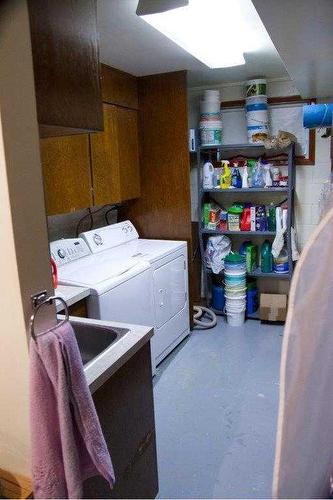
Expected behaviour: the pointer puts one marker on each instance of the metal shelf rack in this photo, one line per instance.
(207, 153)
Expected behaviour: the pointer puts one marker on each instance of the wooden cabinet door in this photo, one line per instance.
(128, 145)
(105, 160)
(66, 172)
(64, 42)
(115, 157)
(119, 88)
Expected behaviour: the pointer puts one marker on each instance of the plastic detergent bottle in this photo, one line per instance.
(236, 179)
(266, 257)
(226, 175)
(281, 264)
(245, 177)
(208, 173)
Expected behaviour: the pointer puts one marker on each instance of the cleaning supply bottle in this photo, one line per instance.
(208, 174)
(267, 175)
(271, 216)
(234, 177)
(226, 175)
(280, 260)
(238, 179)
(266, 257)
(245, 177)
(250, 166)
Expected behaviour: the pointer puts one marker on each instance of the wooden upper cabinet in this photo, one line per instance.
(66, 173)
(105, 160)
(119, 88)
(128, 146)
(66, 66)
(115, 157)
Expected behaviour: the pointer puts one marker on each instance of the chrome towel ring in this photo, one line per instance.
(47, 301)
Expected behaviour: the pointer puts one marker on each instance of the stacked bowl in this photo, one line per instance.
(235, 288)
(210, 119)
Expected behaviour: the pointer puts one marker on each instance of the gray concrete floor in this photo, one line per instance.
(216, 401)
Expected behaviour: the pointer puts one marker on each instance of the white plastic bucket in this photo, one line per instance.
(235, 299)
(238, 293)
(234, 310)
(211, 117)
(211, 133)
(236, 319)
(257, 118)
(235, 304)
(207, 107)
(257, 86)
(212, 95)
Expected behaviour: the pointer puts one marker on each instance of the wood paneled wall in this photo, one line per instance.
(164, 209)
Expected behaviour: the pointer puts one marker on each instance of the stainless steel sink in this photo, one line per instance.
(93, 339)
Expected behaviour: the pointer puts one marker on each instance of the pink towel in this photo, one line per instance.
(67, 441)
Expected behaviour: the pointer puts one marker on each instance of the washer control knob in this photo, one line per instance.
(98, 239)
(61, 253)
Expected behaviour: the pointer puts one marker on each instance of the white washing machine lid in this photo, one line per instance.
(101, 273)
(153, 250)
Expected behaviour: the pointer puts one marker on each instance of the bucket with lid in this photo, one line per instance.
(212, 95)
(211, 133)
(209, 107)
(256, 86)
(257, 118)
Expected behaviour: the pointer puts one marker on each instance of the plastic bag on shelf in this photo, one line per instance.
(218, 247)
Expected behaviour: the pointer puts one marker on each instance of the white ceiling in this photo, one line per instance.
(130, 44)
(302, 31)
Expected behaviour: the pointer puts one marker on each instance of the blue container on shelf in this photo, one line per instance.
(317, 115)
(218, 297)
(252, 301)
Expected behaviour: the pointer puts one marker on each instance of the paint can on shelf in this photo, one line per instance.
(255, 87)
(212, 95)
(209, 107)
(210, 133)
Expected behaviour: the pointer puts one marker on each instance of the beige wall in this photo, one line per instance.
(24, 264)
(14, 430)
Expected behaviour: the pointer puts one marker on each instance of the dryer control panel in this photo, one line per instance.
(110, 236)
(67, 250)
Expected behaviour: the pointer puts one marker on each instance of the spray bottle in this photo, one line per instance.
(226, 175)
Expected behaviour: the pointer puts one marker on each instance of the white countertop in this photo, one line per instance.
(71, 294)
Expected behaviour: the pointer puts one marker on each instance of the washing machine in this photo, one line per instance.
(120, 284)
(169, 275)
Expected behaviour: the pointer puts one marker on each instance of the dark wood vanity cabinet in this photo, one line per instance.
(125, 408)
(66, 66)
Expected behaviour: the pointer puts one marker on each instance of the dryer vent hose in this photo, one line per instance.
(203, 325)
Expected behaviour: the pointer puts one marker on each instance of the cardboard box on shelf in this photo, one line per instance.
(273, 307)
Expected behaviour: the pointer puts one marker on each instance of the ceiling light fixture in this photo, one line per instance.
(213, 31)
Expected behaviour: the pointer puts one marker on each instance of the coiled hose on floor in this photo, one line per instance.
(203, 325)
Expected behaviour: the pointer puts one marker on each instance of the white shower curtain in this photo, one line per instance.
(304, 449)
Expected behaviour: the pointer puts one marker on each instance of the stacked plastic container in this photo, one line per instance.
(235, 288)
(256, 110)
(210, 120)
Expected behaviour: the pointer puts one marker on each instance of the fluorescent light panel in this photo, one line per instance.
(213, 31)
